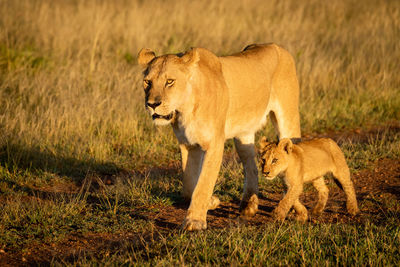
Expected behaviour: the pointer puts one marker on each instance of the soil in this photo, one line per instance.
(375, 186)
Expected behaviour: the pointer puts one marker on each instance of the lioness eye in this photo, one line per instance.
(274, 161)
(169, 82)
(146, 83)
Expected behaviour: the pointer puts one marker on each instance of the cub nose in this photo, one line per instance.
(266, 173)
(153, 105)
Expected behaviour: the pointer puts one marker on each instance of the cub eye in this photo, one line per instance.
(274, 161)
(146, 83)
(169, 82)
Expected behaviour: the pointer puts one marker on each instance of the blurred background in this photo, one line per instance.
(70, 86)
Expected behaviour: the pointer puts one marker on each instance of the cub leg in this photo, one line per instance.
(301, 211)
(197, 212)
(192, 160)
(342, 174)
(245, 148)
(323, 193)
(288, 201)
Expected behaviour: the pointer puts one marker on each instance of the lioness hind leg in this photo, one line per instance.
(284, 101)
(342, 174)
(286, 122)
(245, 148)
(323, 193)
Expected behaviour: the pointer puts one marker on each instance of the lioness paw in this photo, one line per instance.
(249, 208)
(214, 203)
(194, 225)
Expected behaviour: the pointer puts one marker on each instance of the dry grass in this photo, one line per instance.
(70, 81)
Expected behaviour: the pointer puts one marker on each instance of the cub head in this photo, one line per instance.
(166, 83)
(275, 158)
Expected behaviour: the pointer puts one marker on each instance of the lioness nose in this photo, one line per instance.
(153, 105)
(266, 173)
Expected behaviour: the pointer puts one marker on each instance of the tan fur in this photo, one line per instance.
(208, 99)
(306, 162)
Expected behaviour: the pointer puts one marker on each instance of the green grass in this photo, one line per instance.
(72, 119)
(287, 244)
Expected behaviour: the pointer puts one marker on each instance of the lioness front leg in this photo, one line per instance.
(202, 193)
(192, 160)
(245, 148)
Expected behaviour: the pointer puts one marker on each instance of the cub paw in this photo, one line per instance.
(316, 212)
(194, 225)
(249, 208)
(353, 210)
(214, 203)
(278, 215)
(301, 217)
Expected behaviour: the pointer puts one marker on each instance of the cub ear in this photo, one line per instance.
(286, 145)
(191, 57)
(263, 144)
(145, 56)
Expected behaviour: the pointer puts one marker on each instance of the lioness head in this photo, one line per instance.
(274, 158)
(166, 83)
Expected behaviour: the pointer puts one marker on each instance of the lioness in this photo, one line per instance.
(304, 162)
(208, 99)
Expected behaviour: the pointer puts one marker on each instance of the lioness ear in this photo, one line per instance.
(145, 56)
(286, 145)
(191, 57)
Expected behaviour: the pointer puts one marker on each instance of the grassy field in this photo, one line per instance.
(84, 174)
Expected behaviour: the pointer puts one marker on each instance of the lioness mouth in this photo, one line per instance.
(164, 117)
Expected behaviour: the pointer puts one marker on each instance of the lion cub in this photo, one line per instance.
(304, 162)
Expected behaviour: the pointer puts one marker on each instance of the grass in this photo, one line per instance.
(80, 156)
(270, 244)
